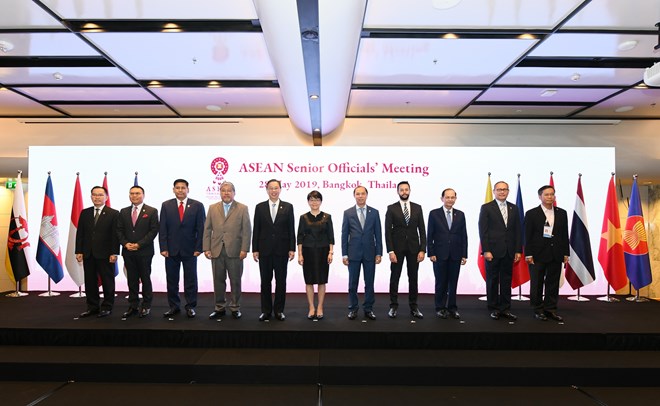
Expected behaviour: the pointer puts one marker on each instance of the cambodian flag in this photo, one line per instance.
(49, 255)
(635, 243)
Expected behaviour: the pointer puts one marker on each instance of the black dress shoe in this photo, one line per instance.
(392, 313)
(352, 315)
(416, 314)
(171, 312)
(190, 312)
(442, 314)
(370, 315)
(104, 313)
(88, 313)
(130, 312)
(495, 315)
(508, 315)
(217, 314)
(455, 315)
(540, 316)
(280, 316)
(264, 316)
(236, 314)
(554, 316)
(144, 312)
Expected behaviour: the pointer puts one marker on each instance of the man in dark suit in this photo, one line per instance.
(97, 248)
(361, 246)
(180, 237)
(501, 246)
(546, 249)
(136, 230)
(405, 238)
(448, 251)
(273, 245)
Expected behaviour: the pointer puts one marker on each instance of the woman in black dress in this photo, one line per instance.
(316, 239)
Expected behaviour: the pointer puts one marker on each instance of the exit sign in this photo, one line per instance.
(10, 184)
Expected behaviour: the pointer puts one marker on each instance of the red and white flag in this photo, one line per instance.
(74, 267)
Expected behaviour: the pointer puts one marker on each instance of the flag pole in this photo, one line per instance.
(485, 297)
(50, 293)
(78, 294)
(608, 298)
(637, 298)
(519, 297)
(578, 298)
(17, 292)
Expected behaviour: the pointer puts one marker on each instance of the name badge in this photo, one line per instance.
(547, 231)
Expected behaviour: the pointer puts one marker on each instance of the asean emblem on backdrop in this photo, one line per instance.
(219, 168)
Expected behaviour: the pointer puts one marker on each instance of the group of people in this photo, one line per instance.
(226, 234)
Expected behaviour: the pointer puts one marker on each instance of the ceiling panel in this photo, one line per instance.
(24, 13)
(115, 110)
(13, 104)
(413, 103)
(68, 76)
(616, 14)
(597, 45)
(631, 103)
(46, 44)
(544, 94)
(578, 76)
(87, 93)
(520, 111)
(224, 101)
(436, 61)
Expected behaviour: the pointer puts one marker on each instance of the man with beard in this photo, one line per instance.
(405, 238)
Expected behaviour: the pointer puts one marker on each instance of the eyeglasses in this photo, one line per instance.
(314, 200)
(501, 190)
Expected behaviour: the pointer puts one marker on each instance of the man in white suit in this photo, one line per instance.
(226, 242)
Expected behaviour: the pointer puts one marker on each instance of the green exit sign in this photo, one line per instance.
(10, 184)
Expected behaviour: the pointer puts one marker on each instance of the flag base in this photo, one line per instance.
(49, 294)
(578, 298)
(483, 298)
(16, 294)
(608, 298)
(519, 298)
(637, 299)
(78, 294)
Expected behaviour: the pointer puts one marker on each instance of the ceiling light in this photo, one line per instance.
(575, 77)
(445, 4)
(171, 27)
(314, 97)
(6, 46)
(58, 76)
(450, 35)
(310, 35)
(91, 27)
(627, 45)
(526, 36)
(213, 83)
(624, 109)
(548, 92)
(155, 83)
(213, 107)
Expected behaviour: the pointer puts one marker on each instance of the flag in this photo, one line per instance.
(481, 261)
(16, 260)
(107, 203)
(49, 254)
(610, 251)
(135, 181)
(74, 267)
(552, 183)
(635, 243)
(520, 273)
(580, 267)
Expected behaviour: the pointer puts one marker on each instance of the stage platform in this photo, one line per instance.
(600, 344)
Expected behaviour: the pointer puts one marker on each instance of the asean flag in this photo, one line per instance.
(635, 243)
(49, 255)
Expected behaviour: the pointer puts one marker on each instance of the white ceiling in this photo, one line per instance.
(550, 59)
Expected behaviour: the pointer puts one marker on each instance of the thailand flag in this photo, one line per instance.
(49, 255)
(580, 267)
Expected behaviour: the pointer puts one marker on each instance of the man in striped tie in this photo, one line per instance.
(405, 238)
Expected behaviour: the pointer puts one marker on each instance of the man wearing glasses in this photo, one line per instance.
(500, 234)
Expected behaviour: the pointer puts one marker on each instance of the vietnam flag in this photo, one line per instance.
(49, 254)
(635, 243)
(74, 267)
(481, 262)
(520, 273)
(610, 251)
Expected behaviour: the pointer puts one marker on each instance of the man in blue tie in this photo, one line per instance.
(361, 246)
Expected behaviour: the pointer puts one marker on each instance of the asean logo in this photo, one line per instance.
(219, 167)
(634, 237)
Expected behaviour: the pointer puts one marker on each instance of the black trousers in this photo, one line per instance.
(270, 265)
(412, 267)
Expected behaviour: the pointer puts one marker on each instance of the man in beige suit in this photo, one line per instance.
(226, 242)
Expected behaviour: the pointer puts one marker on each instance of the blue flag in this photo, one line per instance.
(635, 243)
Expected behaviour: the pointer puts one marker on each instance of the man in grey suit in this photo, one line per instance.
(226, 242)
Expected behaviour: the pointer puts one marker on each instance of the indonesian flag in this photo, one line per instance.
(18, 253)
(49, 255)
(74, 267)
(580, 267)
(610, 251)
(520, 274)
(635, 243)
(481, 261)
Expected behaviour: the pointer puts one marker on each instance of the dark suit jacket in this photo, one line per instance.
(546, 249)
(360, 244)
(181, 237)
(496, 237)
(400, 236)
(144, 232)
(444, 243)
(276, 238)
(97, 241)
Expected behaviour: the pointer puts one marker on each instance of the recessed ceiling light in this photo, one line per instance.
(526, 36)
(445, 4)
(6, 46)
(213, 107)
(172, 27)
(575, 77)
(548, 92)
(627, 45)
(314, 96)
(58, 76)
(624, 109)
(213, 83)
(450, 35)
(92, 27)
(155, 83)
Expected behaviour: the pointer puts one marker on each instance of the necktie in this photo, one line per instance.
(134, 215)
(449, 219)
(273, 211)
(362, 217)
(406, 213)
(505, 214)
(226, 208)
(96, 215)
(181, 211)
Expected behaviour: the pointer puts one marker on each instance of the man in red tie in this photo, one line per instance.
(180, 237)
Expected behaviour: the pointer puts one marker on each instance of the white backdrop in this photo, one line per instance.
(334, 171)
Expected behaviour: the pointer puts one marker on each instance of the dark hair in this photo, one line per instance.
(180, 181)
(137, 187)
(403, 182)
(274, 180)
(544, 187)
(99, 187)
(498, 182)
(443, 192)
(315, 194)
(233, 189)
(357, 187)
